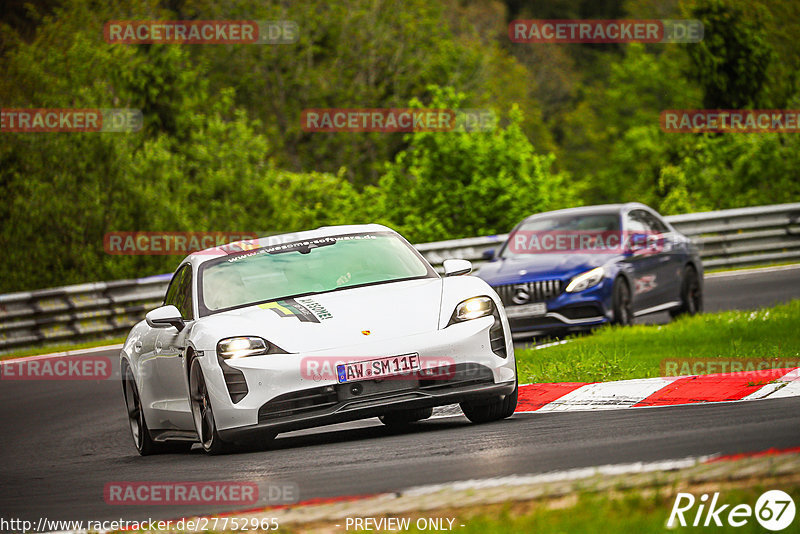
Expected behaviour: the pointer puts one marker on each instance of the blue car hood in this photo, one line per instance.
(540, 267)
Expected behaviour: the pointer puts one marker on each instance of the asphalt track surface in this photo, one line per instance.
(63, 441)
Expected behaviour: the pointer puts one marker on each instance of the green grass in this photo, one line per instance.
(62, 347)
(598, 513)
(615, 353)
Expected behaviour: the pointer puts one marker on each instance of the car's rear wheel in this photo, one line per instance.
(203, 414)
(493, 409)
(622, 302)
(405, 417)
(136, 421)
(691, 294)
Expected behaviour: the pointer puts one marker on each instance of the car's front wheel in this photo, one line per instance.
(494, 409)
(202, 413)
(141, 435)
(405, 417)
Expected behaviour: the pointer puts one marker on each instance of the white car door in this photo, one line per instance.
(171, 402)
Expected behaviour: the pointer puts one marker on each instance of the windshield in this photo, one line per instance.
(566, 232)
(307, 267)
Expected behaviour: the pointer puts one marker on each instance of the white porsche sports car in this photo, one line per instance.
(307, 329)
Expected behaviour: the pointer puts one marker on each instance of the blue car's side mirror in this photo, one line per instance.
(488, 255)
(638, 243)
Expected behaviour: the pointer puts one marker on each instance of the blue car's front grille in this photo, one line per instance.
(527, 292)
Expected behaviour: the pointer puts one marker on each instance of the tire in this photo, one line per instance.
(622, 303)
(203, 414)
(405, 417)
(691, 294)
(492, 409)
(139, 431)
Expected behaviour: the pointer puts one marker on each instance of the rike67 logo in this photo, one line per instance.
(774, 510)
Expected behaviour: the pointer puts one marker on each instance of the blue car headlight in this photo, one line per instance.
(586, 280)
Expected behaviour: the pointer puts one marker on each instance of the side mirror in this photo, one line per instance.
(457, 267)
(488, 255)
(164, 317)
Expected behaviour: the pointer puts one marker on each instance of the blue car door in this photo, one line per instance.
(670, 265)
(646, 264)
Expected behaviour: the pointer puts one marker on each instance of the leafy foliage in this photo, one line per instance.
(467, 183)
(222, 148)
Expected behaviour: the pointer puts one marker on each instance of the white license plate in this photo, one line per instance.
(537, 309)
(378, 368)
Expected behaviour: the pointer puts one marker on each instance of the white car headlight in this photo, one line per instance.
(473, 308)
(240, 347)
(586, 280)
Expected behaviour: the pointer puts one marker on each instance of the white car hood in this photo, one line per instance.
(339, 318)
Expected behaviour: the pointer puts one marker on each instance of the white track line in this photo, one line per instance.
(557, 476)
(553, 344)
(744, 272)
(75, 352)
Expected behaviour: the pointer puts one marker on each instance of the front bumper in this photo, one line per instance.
(283, 394)
(287, 414)
(567, 312)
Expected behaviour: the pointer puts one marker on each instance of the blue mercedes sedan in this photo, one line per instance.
(575, 269)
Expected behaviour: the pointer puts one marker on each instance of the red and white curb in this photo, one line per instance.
(646, 392)
(637, 393)
(665, 391)
(786, 386)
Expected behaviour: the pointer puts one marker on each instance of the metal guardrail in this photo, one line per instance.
(77, 312)
(726, 238)
(745, 236)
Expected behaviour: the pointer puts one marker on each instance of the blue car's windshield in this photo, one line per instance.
(569, 227)
(306, 267)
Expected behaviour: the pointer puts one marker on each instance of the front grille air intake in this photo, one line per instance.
(234, 380)
(538, 291)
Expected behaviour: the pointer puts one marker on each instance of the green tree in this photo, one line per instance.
(466, 183)
(732, 61)
(358, 54)
(198, 164)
